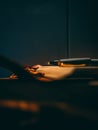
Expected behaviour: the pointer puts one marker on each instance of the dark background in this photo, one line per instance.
(34, 32)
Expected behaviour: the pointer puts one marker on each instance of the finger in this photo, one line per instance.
(36, 66)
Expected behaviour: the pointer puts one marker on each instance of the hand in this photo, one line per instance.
(50, 73)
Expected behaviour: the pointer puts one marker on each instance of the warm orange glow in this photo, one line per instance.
(71, 65)
(23, 105)
(35, 107)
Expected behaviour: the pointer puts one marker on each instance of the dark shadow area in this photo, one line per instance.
(48, 118)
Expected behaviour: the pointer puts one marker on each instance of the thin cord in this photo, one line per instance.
(68, 27)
